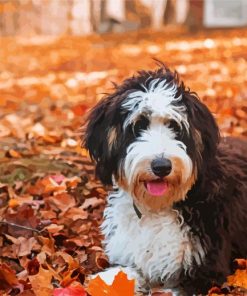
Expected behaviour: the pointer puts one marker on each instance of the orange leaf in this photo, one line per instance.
(13, 203)
(13, 153)
(7, 276)
(97, 287)
(238, 279)
(121, 286)
(41, 282)
(79, 110)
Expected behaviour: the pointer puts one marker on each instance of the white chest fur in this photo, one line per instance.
(159, 246)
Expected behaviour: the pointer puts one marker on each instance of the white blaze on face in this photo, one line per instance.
(159, 99)
(158, 140)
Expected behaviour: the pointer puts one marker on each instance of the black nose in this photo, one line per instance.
(161, 167)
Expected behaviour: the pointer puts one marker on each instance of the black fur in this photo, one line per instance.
(215, 208)
(216, 211)
(109, 113)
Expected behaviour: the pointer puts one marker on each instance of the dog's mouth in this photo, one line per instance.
(156, 187)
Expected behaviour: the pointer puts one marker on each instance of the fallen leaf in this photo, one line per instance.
(33, 266)
(101, 261)
(62, 201)
(13, 153)
(72, 263)
(121, 286)
(46, 185)
(24, 216)
(24, 246)
(238, 279)
(69, 291)
(74, 214)
(91, 202)
(8, 277)
(41, 282)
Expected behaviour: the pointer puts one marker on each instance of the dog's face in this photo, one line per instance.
(153, 138)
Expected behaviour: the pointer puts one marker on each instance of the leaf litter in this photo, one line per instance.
(50, 202)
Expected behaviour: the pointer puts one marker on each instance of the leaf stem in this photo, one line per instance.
(20, 226)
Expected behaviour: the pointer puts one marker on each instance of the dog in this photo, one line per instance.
(176, 216)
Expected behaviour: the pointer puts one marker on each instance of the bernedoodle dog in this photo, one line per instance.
(177, 215)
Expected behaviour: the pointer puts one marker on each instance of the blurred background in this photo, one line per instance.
(82, 17)
(57, 59)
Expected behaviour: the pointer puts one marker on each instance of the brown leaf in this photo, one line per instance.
(54, 228)
(24, 246)
(24, 216)
(8, 278)
(91, 202)
(33, 266)
(62, 201)
(45, 186)
(27, 293)
(101, 261)
(72, 263)
(74, 214)
(47, 245)
(41, 282)
(13, 153)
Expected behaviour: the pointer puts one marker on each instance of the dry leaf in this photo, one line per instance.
(238, 279)
(8, 278)
(24, 216)
(62, 201)
(91, 202)
(121, 286)
(41, 282)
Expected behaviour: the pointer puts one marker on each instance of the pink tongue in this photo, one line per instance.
(157, 188)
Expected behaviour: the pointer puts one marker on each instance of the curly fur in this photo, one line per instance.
(187, 239)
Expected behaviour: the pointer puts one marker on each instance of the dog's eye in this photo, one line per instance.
(141, 124)
(172, 124)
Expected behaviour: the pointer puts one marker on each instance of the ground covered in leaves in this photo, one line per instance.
(50, 203)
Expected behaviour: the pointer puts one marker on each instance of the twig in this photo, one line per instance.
(20, 226)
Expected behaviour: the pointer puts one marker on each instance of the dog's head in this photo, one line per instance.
(153, 137)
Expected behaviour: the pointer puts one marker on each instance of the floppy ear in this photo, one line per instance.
(202, 120)
(103, 136)
(94, 139)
